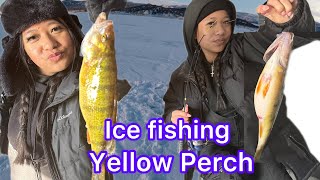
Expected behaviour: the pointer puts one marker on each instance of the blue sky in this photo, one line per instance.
(247, 5)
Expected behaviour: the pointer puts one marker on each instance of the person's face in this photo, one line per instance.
(49, 46)
(213, 33)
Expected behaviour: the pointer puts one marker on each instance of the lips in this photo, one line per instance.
(219, 41)
(55, 56)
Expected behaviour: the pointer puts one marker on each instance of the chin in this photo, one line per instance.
(218, 50)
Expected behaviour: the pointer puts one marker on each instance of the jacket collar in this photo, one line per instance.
(68, 86)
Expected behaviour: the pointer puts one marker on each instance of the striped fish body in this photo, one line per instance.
(269, 90)
(97, 85)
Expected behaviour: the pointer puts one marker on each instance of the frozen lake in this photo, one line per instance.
(148, 50)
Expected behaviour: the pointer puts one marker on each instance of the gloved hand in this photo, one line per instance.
(5, 105)
(123, 87)
(95, 7)
(11, 72)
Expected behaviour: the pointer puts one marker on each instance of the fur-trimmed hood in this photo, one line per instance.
(17, 15)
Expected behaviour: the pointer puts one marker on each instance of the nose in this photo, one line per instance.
(49, 42)
(220, 29)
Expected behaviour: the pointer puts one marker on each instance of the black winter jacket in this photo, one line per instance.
(68, 138)
(242, 64)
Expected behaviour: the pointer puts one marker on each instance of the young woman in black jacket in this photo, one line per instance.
(216, 84)
(42, 128)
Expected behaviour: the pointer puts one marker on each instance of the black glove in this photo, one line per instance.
(123, 87)
(5, 105)
(11, 69)
(95, 7)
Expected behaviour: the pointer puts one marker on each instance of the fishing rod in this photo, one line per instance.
(192, 68)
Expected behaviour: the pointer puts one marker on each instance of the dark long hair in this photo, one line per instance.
(201, 74)
(27, 92)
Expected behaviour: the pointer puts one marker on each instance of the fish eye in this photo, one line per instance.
(104, 37)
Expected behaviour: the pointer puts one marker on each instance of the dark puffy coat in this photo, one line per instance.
(68, 138)
(241, 65)
(68, 134)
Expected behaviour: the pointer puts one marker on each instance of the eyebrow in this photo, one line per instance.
(222, 18)
(29, 31)
(53, 22)
(47, 24)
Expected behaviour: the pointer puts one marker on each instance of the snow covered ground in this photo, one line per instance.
(148, 50)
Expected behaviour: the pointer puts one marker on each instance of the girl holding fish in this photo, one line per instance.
(40, 113)
(217, 81)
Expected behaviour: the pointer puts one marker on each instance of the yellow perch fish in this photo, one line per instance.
(269, 90)
(97, 86)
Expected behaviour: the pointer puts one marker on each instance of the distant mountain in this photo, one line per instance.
(317, 27)
(164, 3)
(150, 9)
(252, 18)
(173, 11)
(244, 19)
(74, 5)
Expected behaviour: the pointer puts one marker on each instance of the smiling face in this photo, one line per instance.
(213, 33)
(49, 45)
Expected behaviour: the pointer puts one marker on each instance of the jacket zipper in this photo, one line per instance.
(52, 156)
(58, 102)
(300, 146)
(237, 109)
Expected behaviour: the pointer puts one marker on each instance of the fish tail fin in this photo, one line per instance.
(259, 150)
(257, 155)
